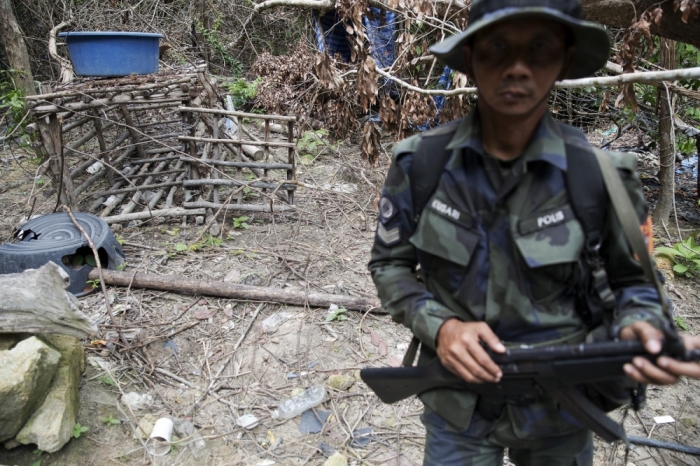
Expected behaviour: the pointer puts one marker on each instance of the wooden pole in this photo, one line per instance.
(231, 290)
(667, 143)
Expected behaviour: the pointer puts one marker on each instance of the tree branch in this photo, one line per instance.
(330, 4)
(66, 74)
(647, 77)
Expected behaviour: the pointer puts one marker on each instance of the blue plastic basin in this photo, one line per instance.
(112, 53)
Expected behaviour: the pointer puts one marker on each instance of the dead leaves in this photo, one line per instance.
(688, 8)
(633, 43)
(326, 72)
(367, 87)
(369, 146)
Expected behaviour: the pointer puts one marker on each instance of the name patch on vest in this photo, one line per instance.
(550, 219)
(439, 206)
(544, 220)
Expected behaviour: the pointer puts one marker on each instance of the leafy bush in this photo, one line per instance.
(242, 91)
(685, 256)
(11, 99)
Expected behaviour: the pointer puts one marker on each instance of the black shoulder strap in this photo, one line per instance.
(589, 200)
(585, 184)
(429, 160)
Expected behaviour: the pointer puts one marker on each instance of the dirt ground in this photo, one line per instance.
(210, 361)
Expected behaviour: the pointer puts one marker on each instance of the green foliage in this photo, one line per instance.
(685, 256)
(106, 379)
(78, 430)
(311, 143)
(11, 98)
(94, 283)
(110, 421)
(686, 145)
(681, 323)
(213, 38)
(208, 241)
(240, 222)
(242, 91)
(337, 315)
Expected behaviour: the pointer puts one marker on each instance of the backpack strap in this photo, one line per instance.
(429, 160)
(589, 201)
(624, 210)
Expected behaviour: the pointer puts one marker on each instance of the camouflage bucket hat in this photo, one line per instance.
(591, 40)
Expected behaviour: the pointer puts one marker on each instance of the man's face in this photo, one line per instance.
(515, 63)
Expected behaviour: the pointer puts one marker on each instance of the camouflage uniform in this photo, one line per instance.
(498, 242)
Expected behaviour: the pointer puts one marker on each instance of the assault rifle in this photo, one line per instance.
(552, 370)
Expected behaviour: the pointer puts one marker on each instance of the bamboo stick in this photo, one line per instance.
(119, 196)
(134, 134)
(124, 99)
(172, 174)
(237, 141)
(136, 188)
(175, 212)
(81, 92)
(257, 116)
(221, 182)
(85, 185)
(261, 165)
(95, 205)
(240, 207)
(83, 166)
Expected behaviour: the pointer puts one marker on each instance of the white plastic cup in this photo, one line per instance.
(158, 443)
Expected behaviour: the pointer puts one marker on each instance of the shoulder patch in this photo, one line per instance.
(386, 208)
(623, 160)
(443, 129)
(409, 144)
(388, 236)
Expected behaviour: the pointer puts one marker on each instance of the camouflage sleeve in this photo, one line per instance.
(636, 296)
(393, 262)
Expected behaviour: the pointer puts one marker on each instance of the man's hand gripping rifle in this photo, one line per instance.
(554, 370)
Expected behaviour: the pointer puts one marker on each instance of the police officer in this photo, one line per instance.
(493, 258)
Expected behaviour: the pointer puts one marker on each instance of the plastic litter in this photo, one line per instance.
(247, 421)
(361, 437)
(137, 401)
(158, 443)
(312, 397)
(312, 422)
(270, 324)
(326, 449)
(171, 344)
(192, 437)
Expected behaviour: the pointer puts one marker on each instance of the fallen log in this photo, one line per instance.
(36, 301)
(232, 290)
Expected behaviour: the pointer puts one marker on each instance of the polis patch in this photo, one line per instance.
(546, 219)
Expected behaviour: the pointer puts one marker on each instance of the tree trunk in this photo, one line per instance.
(13, 41)
(621, 13)
(667, 144)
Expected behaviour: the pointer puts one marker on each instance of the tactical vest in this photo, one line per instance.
(588, 196)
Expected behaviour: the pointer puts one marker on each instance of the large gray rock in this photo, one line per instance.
(51, 425)
(26, 372)
(36, 301)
